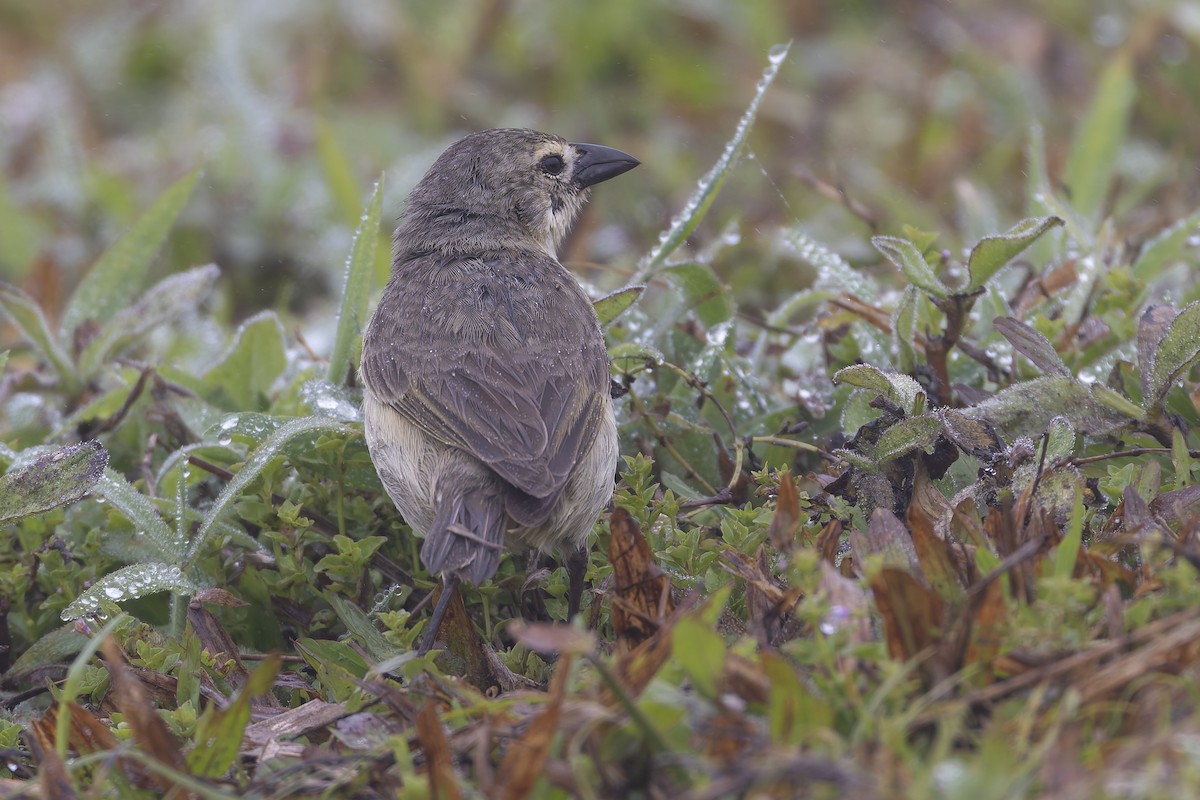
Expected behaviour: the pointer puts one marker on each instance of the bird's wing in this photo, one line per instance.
(506, 363)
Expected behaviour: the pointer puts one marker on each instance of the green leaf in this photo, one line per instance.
(904, 329)
(170, 299)
(243, 378)
(1068, 548)
(992, 252)
(1110, 398)
(50, 648)
(909, 260)
(793, 712)
(706, 190)
(1099, 138)
(362, 629)
(1164, 247)
(613, 305)
(702, 291)
(219, 733)
(1031, 344)
(356, 290)
(138, 509)
(894, 386)
(53, 479)
(27, 316)
(700, 650)
(130, 583)
(118, 276)
(910, 433)
(1178, 350)
(627, 355)
(1181, 458)
(254, 466)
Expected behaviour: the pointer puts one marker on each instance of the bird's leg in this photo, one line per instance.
(577, 562)
(449, 587)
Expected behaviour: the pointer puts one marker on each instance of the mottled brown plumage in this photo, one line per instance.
(487, 402)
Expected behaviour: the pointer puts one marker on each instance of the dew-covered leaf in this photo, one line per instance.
(1024, 409)
(254, 467)
(356, 290)
(170, 299)
(992, 252)
(137, 508)
(894, 386)
(1151, 329)
(130, 583)
(52, 479)
(703, 292)
(1178, 350)
(905, 255)
(1031, 344)
(910, 433)
(1165, 247)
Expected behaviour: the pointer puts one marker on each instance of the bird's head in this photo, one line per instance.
(520, 186)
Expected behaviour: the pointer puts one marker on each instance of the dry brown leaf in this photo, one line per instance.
(785, 522)
(480, 666)
(637, 667)
(641, 597)
(989, 612)
(443, 784)
(86, 734)
(728, 735)
(217, 641)
(912, 613)
(767, 603)
(151, 734)
(53, 778)
(886, 536)
(829, 541)
(937, 563)
(526, 756)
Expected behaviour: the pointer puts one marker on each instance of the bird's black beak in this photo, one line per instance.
(595, 163)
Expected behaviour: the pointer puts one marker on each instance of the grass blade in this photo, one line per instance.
(118, 275)
(706, 191)
(253, 467)
(1099, 138)
(356, 290)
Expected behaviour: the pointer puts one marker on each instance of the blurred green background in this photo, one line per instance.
(919, 112)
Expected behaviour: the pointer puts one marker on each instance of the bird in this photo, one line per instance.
(486, 383)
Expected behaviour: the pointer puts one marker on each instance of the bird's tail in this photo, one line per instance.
(466, 537)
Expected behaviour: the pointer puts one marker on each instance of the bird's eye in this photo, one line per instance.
(552, 165)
